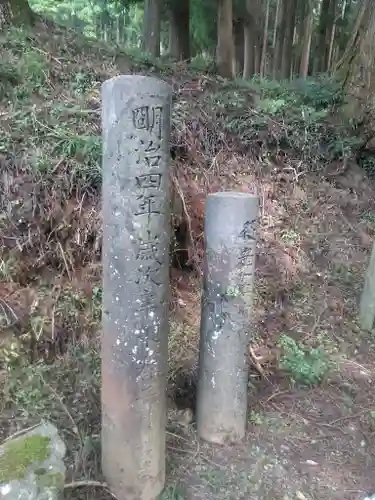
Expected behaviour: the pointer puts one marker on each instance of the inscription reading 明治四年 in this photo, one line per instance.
(152, 147)
(148, 181)
(148, 118)
(148, 204)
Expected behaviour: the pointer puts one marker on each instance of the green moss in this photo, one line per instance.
(51, 480)
(19, 454)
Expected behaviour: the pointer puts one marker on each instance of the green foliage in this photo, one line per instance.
(172, 493)
(294, 116)
(305, 367)
(203, 63)
(28, 387)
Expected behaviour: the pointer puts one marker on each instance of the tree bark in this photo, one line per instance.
(277, 16)
(225, 45)
(326, 34)
(287, 57)
(151, 27)
(264, 41)
(249, 50)
(350, 46)
(280, 38)
(306, 42)
(252, 38)
(179, 30)
(16, 12)
(239, 44)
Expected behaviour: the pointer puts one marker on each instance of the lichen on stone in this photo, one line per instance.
(18, 455)
(50, 480)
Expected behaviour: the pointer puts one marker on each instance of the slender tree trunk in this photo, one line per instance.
(280, 39)
(151, 27)
(330, 49)
(179, 30)
(350, 46)
(239, 44)
(322, 29)
(225, 45)
(264, 41)
(16, 12)
(306, 43)
(277, 15)
(286, 64)
(326, 33)
(366, 54)
(249, 52)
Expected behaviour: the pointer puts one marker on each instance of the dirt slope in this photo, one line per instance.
(315, 234)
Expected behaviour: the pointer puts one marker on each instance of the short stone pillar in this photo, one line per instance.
(230, 246)
(367, 303)
(136, 114)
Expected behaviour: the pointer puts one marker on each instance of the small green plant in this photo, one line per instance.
(83, 82)
(289, 236)
(172, 493)
(344, 274)
(8, 269)
(202, 63)
(255, 418)
(306, 367)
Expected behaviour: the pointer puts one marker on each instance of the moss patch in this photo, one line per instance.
(19, 454)
(51, 480)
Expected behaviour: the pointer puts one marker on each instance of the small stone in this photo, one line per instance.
(32, 465)
(311, 462)
(300, 495)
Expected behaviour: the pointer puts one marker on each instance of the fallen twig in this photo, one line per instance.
(88, 484)
(256, 363)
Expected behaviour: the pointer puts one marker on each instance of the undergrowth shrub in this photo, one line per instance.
(291, 116)
(304, 367)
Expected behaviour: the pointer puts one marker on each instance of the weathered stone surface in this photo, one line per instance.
(230, 246)
(367, 304)
(136, 238)
(32, 465)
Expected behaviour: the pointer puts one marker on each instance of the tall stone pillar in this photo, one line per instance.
(136, 235)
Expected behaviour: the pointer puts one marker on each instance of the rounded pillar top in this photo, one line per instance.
(137, 84)
(232, 194)
(230, 217)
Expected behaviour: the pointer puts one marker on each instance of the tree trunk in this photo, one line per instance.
(225, 45)
(326, 33)
(277, 16)
(249, 52)
(179, 30)
(151, 27)
(287, 57)
(280, 38)
(306, 43)
(264, 41)
(350, 46)
(366, 53)
(239, 44)
(16, 12)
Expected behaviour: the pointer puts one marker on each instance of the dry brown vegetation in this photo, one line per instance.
(316, 228)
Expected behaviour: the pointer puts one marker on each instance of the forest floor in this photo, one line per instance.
(311, 426)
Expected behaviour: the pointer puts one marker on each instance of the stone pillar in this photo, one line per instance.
(230, 246)
(136, 235)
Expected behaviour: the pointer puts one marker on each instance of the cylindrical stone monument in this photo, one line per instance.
(230, 246)
(136, 237)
